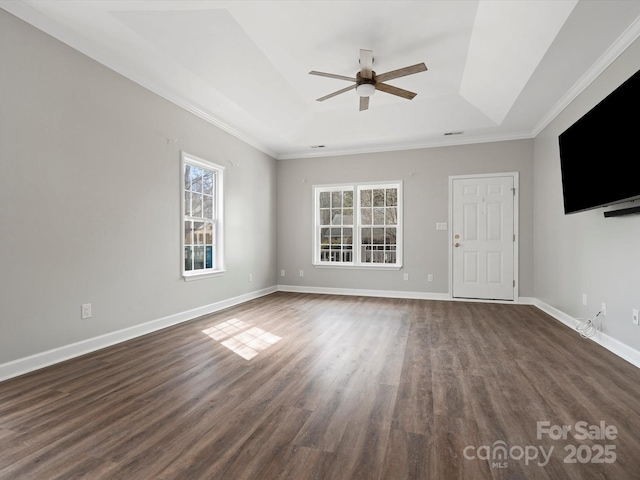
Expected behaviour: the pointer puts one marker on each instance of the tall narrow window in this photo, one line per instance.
(358, 225)
(378, 224)
(202, 225)
(335, 225)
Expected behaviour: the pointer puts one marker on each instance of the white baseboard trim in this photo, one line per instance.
(357, 292)
(40, 360)
(393, 294)
(622, 350)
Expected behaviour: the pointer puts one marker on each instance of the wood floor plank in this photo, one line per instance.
(354, 388)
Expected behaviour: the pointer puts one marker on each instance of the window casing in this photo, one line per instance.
(202, 218)
(358, 225)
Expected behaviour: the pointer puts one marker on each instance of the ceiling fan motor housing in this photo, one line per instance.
(365, 87)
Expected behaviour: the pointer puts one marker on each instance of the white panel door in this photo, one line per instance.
(483, 237)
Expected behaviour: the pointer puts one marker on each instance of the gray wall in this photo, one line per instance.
(585, 252)
(90, 196)
(425, 175)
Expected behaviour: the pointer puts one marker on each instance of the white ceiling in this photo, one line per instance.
(497, 70)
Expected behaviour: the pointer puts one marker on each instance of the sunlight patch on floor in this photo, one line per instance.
(241, 337)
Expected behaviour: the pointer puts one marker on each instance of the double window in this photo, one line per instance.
(202, 211)
(358, 225)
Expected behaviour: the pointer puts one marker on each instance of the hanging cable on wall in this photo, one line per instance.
(587, 328)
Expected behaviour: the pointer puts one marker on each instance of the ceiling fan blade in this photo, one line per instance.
(331, 75)
(364, 103)
(401, 72)
(322, 99)
(366, 64)
(383, 87)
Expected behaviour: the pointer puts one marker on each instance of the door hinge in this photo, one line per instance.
(514, 283)
(514, 237)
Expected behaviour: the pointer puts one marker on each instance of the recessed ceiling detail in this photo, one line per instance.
(498, 70)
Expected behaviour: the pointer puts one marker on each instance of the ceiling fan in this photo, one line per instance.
(367, 81)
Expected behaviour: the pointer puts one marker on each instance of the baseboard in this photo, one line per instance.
(40, 360)
(393, 294)
(358, 292)
(622, 350)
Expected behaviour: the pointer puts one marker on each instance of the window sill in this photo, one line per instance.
(202, 276)
(376, 266)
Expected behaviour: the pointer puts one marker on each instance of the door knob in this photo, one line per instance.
(456, 244)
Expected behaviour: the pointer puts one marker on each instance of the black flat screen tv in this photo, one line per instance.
(599, 153)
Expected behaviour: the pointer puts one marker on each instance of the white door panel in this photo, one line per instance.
(483, 237)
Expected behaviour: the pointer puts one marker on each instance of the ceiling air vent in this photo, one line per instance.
(447, 134)
(317, 146)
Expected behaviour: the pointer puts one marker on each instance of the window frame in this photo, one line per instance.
(218, 257)
(357, 262)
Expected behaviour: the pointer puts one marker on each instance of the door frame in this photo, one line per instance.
(516, 231)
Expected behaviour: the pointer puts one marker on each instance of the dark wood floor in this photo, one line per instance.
(341, 388)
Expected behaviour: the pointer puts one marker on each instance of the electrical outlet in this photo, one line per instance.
(430, 278)
(282, 273)
(86, 311)
(251, 277)
(603, 309)
(405, 276)
(584, 298)
(635, 316)
(302, 273)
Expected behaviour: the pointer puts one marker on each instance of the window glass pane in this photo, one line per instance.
(390, 256)
(365, 235)
(336, 236)
(378, 216)
(198, 233)
(336, 199)
(207, 206)
(187, 176)
(208, 233)
(198, 258)
(196, 179)
(348, 198)
(391, 216)
(325, 200)
(390, 238)
(378, 236)
(207, 182)
(347, 236)
(366, 216)
(365, 254)
(392, 197)
(187, 204)
(196, 205)
(336, 216)
(378, 197)
(209, 256)
(347, 216)
(325, 216)
(325, 236)
(188, 258)
(365, 198)
(188, 233)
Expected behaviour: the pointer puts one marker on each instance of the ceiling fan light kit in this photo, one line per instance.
(366, 89)
(366, 82)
